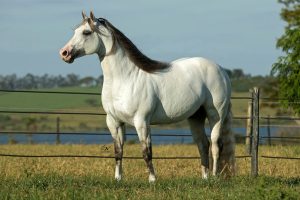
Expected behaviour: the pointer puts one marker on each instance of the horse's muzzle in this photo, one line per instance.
(66, 54)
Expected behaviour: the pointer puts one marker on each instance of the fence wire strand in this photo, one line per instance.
(107, 157)
(280, 137)
(51, 112)
(281, 157)
(50, 92)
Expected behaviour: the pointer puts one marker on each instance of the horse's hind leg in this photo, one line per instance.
(216, 147)
(196, 122)
(216, 114)
(117, 131)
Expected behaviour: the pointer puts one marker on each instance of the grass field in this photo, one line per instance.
(52, 102)
(90, 187)
(83, 178)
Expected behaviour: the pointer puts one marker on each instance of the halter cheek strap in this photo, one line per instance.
(103, 21)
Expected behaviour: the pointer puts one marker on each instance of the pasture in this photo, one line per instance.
(85, 178)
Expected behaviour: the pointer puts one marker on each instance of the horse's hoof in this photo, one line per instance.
(204, 176)
(118, 178)
(152, 179)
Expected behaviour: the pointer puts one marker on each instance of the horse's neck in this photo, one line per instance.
(118, 67)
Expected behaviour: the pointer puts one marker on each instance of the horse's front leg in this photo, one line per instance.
(144, 134)
(117, 131)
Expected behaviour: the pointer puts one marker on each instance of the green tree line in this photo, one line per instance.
(30, 81)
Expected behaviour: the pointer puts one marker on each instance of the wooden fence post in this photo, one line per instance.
(255, 140)
(57, 130)
(269, 130)
(249, 131)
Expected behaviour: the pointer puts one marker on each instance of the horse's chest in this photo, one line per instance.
(121, 106)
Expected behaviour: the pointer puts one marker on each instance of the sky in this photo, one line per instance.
(233, 33)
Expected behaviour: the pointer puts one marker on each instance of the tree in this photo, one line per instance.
(287, 67)
(87, 81)
(228, 72)
(238, 73)
(73, 80)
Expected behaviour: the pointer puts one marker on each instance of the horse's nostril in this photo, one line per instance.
(65, 53)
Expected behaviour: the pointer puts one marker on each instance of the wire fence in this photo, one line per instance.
(253, 137)
(106, 157)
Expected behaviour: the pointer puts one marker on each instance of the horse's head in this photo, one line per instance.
(85, 41)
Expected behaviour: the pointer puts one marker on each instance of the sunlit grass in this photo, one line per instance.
(86, 178)
(166, 169)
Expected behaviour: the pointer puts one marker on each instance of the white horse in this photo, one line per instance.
(140, 91)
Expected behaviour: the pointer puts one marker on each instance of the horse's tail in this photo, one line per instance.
(227, 154)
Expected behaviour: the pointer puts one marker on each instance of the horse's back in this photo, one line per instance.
(188, 84)
(205, 72)
(216, 82)
(203, 65)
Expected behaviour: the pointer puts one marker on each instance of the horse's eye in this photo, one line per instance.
(87, 32)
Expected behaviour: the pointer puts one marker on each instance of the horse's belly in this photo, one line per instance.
(175, 111)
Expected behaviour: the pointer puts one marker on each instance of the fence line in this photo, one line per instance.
(34, 109)
(281, 157)
(81, 93)
(280, 117)
(76, 113)
(50, 92)
(279, 125)
(254, 117)
(278, 137)
(51, 112)
(96, 93)
(82, 133)
(276, 99)
(100, 134)
(105, 157)
(275, 102)
(96, 113)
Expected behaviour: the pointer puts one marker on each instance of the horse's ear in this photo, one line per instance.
(92, 16)
(83, 15)
(91, 23)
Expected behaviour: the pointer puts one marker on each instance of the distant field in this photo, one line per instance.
(82, 178)
(76, 103)
(52, 101)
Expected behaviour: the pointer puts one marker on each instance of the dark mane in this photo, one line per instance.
(134, 54)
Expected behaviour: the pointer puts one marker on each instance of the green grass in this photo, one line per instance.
(90, 187)
(83, 178)
(50, 101)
